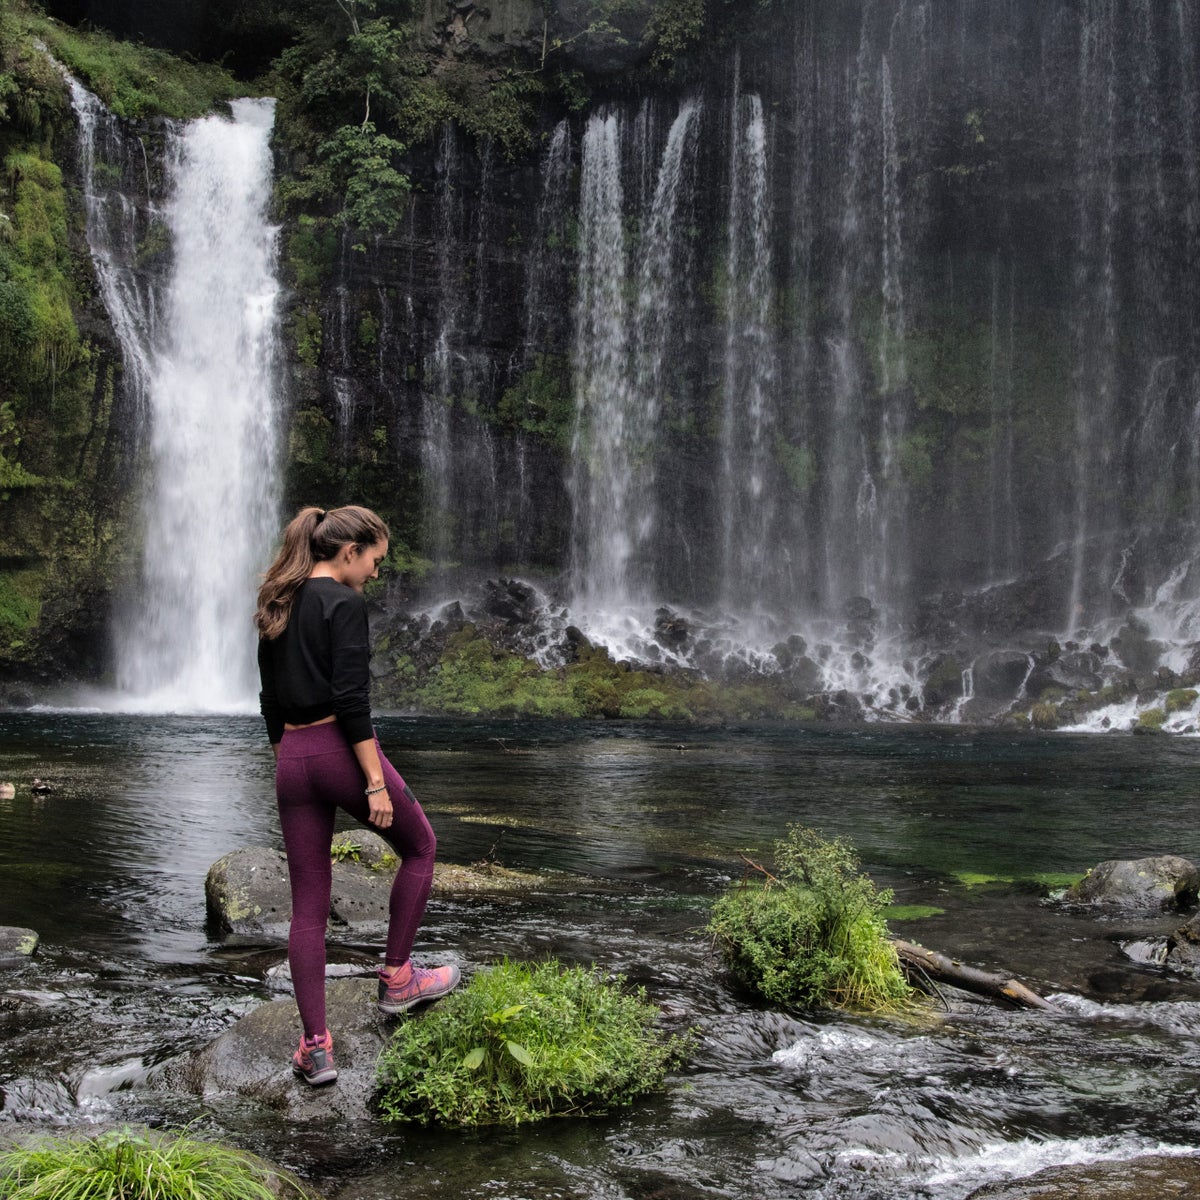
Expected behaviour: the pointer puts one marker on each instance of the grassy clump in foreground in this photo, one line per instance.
(814, 934)
(522, 1042)
(125, 1165)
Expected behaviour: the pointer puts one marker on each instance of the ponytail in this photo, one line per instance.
(313, 535)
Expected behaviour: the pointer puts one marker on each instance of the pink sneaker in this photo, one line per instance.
(313, 1062)
(402, 987)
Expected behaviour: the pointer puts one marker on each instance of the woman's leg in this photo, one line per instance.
(409, 834)
(306, 819)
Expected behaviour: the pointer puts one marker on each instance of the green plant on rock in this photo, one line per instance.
(1180, 698)
(1152, 719)
(127, 1165)
(813, 935)
(522, 1042)
(136, 80)
(1044, 716)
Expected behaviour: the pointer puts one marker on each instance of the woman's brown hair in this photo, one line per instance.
(313, 535)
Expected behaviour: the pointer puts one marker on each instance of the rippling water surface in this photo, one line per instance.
(109, 869)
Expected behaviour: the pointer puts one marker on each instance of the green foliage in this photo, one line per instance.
(814, 936)
(1044, 716)
(540, 402)
(311, 251)
(124, 1165)
(1181, 698)
(20, 607)
(38, 335)
(522, 1042)
(134, 80)
(675, 28)
(363, 164)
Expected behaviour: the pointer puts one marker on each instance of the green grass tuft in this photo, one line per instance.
(814, 935)
(522, 1042)
(127, 1165)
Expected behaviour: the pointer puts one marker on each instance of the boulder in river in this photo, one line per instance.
(1183, 947)
(252, 1059)
(17, 946)
(1161, 882)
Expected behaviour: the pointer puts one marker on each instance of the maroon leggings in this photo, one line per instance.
(316, 774)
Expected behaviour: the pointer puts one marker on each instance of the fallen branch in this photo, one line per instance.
(914, 958)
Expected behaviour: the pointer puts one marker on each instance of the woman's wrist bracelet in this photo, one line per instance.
(376, 790)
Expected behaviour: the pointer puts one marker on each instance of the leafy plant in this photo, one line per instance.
(814, 934)
(522, 1042)
(126, 1165)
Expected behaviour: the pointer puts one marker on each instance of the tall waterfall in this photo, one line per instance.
(622, 334)
(746, 498)
(200, 347)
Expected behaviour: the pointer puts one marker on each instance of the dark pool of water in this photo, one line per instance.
(109, 869)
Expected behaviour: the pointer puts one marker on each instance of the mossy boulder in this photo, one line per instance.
(17, 946)
(1165, 881)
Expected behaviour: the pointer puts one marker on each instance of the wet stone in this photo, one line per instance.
(1160, 882)
(1155, 1177)
(17, 946)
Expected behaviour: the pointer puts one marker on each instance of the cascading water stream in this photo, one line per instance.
(748, 412)
(203, 356)
(602, 542)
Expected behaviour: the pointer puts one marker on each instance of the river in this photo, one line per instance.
(109, 869)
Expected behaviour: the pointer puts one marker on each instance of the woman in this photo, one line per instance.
(313, 653)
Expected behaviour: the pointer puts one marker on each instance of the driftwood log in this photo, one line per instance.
(918, 962)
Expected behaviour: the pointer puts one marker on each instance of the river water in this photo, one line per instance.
(109, 869)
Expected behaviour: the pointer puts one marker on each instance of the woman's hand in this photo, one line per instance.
(380, 805)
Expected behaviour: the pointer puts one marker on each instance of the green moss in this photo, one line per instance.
(20, 606)
(137, 81)
(1181, 698)
(911, 912)
(1044, 716)
(1152, 719)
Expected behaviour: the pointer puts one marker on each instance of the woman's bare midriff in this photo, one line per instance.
(310, 725)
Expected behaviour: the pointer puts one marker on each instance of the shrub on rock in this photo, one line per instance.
(522, 1042)
(814, 934)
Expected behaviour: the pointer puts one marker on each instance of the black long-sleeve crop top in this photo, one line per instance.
(318, 666)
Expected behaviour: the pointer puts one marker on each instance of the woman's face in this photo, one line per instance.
(358, 564)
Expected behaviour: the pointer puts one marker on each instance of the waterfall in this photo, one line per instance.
(202, 355)
(746, 497)
(848, 485)
(620, 344)
(543, 317)
(1095, 304)
(602, 541)
(437, 452)
(889, 553)
(1001, 513)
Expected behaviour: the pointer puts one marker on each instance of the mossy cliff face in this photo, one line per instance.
(60, 443)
